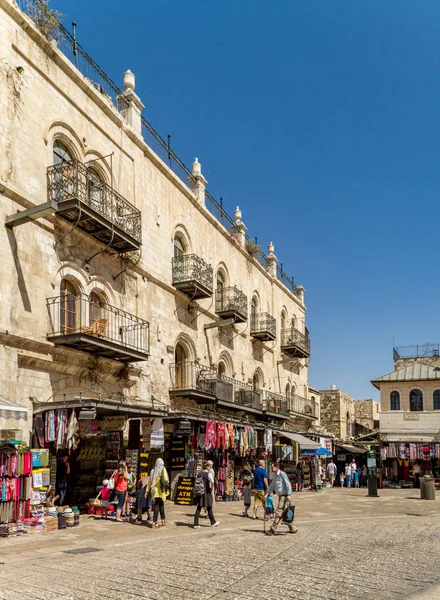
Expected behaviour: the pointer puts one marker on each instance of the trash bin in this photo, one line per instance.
(422, 488)
(429, 488)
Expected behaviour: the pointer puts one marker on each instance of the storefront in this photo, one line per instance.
(404, 461)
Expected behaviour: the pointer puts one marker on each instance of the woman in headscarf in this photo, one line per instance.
(159, 487)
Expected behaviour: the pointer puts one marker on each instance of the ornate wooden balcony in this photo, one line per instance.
(205, 386)
(83, 199)
(193, 276)
(294, 343)
(275, 405)
(78, 322)
(231, 303)
(263, 327)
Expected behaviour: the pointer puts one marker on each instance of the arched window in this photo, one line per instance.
(256, 383)
(415, 400)
(221, 368)
(293, 322)
(394, 401)
(179, 246)
(254, 311)
(220, 289)
(313, 400)
(61, 153)
(95, 308)
(180, 359)
(288, 392)
(283, 320)
(68, 307)
(437, 400)
(348, 424)
(96, 190)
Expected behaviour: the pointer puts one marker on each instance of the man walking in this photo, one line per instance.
(281, 486)
(331, 470)
(353, 470)
(260, 486)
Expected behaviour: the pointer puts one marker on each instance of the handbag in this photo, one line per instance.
(164, 484)
(111, 482)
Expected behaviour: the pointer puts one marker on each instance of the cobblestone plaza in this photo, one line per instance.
(348, 546)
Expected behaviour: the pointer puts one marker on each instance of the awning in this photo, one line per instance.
(352, 449)
(11, 410)
(316, 452)
(301, 440)
(105, 407)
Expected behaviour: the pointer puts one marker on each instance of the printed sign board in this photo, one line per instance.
(177, 454)
(115, 423)
(184, 491)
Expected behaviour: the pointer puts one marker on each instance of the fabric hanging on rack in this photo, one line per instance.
(211, 436)
(50, 426)
(231, 435)
(72, 435)
(62, 419)
(221, 435)
(39, 431)
(157, 434)
(268, 440)
(413, 451)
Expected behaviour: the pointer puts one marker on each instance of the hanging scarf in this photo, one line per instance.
(157, 439)
(157, 472)
(72, 436)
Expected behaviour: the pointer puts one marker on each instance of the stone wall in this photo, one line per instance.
(44, 99)
(366, 413)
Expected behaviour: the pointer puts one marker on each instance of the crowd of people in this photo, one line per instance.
(350, 476)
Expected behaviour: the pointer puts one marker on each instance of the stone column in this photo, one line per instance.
(130, 104)
(272, 260)
(239, 229)
(300, 293)
(197, 182)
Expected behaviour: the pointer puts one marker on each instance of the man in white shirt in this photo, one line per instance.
(353, 469)
(331, 470)
(347, 475)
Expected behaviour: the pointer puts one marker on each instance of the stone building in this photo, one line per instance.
(410, 396)
(345, 417)
(122, 279)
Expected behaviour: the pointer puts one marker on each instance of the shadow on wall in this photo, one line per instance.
(20, 278)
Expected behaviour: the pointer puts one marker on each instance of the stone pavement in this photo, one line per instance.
(348, 547)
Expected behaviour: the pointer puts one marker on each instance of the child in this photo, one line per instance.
(270, 509)
(342, 478)
(247, 496)
(104, 494)
(356, 479)
(144, 501)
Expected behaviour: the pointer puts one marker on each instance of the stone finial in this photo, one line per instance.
(238, 230)
(197, 182)
(300, 293)
(237, 215)
(271, 260)
(129, 80)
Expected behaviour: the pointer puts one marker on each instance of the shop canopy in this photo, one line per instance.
(317, 452)
(105, 407)
(304, 442)
(11, 410)
(352, 449)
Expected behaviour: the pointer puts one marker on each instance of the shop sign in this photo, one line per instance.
(341, 457)
(410, 417)
(11, 434)
(183, 428)
(371, 462)
(116, 423)
(147, 461)
(184, 491)
(177, 454)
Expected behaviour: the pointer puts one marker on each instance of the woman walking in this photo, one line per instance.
(160, 489)
(205, 499)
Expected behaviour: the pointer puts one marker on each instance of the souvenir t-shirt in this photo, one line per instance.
(259, 476)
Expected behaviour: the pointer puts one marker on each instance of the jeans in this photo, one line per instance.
(121, 498)
(62, 490)
(158, 506)
(197, 514)
(348, 481)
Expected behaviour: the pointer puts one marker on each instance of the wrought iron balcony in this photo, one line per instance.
(303, 407)
(294, 343)
(77, 321)
(263, 327)
(92, 205)
(193, 276)
(205, 386)
(231, 303)
(275, 405)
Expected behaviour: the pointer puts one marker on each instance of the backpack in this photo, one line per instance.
(199, 485)
(165, 486)
(288, 515)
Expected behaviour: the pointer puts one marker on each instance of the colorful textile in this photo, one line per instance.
(211, 435)
(157, 439)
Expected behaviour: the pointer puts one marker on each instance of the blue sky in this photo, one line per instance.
(321, 120)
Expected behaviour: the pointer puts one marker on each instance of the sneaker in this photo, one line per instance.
(196, 527)
(154, 526)
(216, 524)
(293, 529)
(244, 513)
(164, 523)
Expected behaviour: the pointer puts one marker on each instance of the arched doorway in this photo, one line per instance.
(68, 307)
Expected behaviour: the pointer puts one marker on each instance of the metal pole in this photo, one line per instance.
(169, 148)
(75, 53)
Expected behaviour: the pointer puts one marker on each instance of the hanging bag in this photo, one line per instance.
(199, 485)
(288, 515)
(111, 482)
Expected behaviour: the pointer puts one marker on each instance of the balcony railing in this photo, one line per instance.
(77, 321)
(302, 406)
(274, 404)
(422, 351)
(203, 384)
(294, 343)
(231, 303)
(94, 206)
(192, 276)
(263, 327)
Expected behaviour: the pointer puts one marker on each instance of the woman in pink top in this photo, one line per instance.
(121, 477)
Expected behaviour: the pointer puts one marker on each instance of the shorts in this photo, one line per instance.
(270, 511)
(247, 506)
(121, 498)
(259, 498)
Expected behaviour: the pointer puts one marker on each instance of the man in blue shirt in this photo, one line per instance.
(260, 486)
(281, 486)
